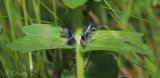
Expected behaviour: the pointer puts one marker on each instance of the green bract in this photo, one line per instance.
(102, 65)
(97, 0)
(117, 41)
(74, 3)
(68, 74)
(38, 37)
(45, 36)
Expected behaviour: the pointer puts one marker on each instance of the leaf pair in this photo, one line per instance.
(45, 36)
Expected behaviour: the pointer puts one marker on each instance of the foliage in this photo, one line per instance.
(117, 41)
(125, 44)
(74, 3)
(68, 74)
(104, 63)
(38, 37)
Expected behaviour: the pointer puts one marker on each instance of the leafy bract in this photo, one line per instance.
(38, 37)
(97, 0)
(68, 74)
(117, 41)
(74, 3)
(102, 65)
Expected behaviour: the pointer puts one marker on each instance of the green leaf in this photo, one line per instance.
(150, 67)
(38, 37)
(117, 41)
(102, 65)
(68, 74)
(0, 29)
(97, 0)
(74, 3)
(0, 38)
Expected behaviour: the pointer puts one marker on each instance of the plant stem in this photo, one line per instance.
(30, 61)
(12, 34)
(10, 16)
(26, 23)
(36, 5)
(55, 11)
(77, 16)
(40, 62)
(116, 16)
(79, 56)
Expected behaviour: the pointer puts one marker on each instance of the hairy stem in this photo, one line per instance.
(77, 16)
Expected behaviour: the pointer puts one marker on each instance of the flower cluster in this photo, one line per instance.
(84, 36)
